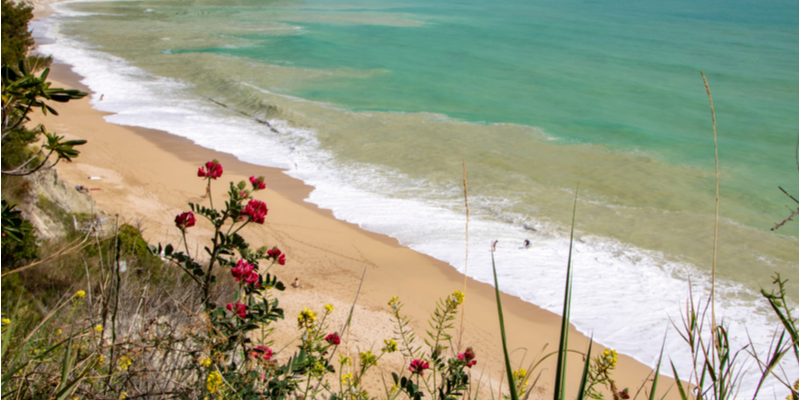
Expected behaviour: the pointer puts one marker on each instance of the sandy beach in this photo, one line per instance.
(147, 177)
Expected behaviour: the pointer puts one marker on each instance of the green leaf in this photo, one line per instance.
(678, 382)
(561, 367)
(585, 375)
(510, 376)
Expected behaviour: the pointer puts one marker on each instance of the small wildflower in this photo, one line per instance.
(328, 308)
(468, 357)
(390, 346)
(185, 220)
(240, 309)
(367, 359)
(258, 183)
(458, 297)
(333, 339)
(98, 328)
(206, 362)
(58, 332)
(6, 321)
(347, 379)
(124, 362)
(306, 318)
(609, 359)
(418, 367)
(394, 302)
(80, 294)
(343, 359)
(212, 170)
(101, 360)
(123, 395)
(624, 394)
(256, 210)
(262, 352)
(213, 382)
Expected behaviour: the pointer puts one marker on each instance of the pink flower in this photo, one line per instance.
(282, 259)
(256, 210)
(242, 270)
(185, 220)
(258, 183)
(468, 357)
(418, 367)
(262, 351)
(241, 309)
(252, 278)
(333, 338)
(274, 252)
(212, 169)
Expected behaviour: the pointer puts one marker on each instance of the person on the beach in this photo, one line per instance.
(296, 283)
(101, 97)
(526, 243)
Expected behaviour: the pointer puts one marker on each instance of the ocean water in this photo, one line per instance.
(376, 103)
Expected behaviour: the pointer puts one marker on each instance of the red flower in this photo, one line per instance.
(212, 169)
(418, 367)
(468, 357)
(241, 309)
(252, 278)
(274, 252)
(185, 220)
(243, 269)
(624, 394)
(333, 338)
(258, 183)
(282, 259)
(256, 210)
(262, 351)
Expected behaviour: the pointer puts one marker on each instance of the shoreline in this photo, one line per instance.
(330, 253)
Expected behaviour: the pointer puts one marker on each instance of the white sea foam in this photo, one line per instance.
(625, 296)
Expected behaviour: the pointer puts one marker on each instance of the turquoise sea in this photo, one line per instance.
(376, 103)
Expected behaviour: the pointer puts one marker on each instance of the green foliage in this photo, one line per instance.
(17, 149)
(23, 93)
(16, 39)
(19, 243)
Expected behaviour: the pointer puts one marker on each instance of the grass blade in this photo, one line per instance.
(678, 382)
(509, 375)
(658, 369)
(582, 387)
(561, 368)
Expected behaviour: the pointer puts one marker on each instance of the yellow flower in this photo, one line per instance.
(101, 360)
(58, 332)
(367, 359)
(213, 382)
(328, 308)
(394, 302)
(391, 346)
(124, 362)
(206, 362)
(98, 328)
(347, 379)
(306, 318)
(343, 359)
(123, 395)
(610, 358)
(458, 297)
(80, 294)
(6, 321)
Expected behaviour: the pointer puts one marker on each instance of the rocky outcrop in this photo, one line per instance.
(56, 202)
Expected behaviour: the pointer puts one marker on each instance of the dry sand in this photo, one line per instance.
(148, 177)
